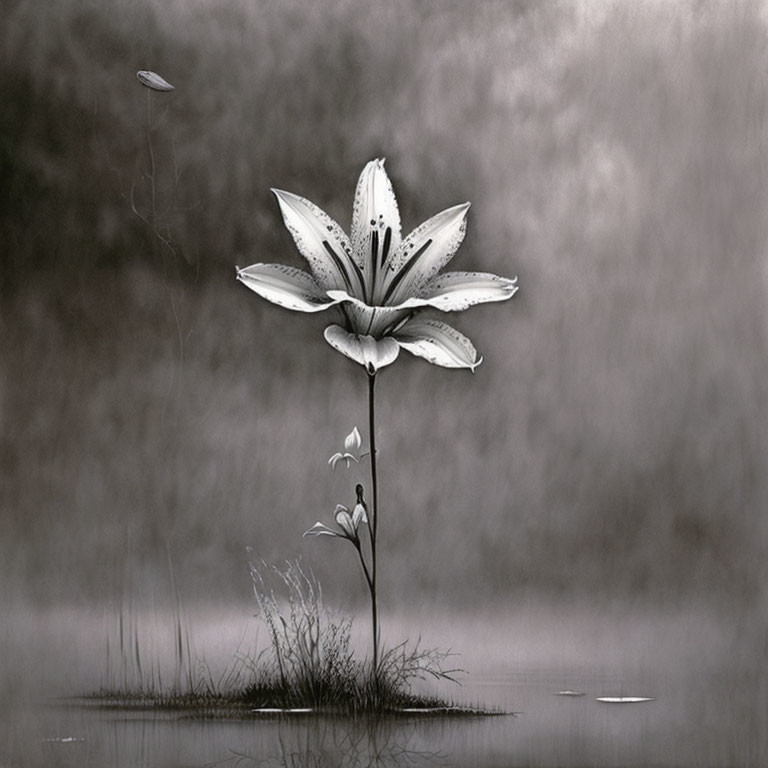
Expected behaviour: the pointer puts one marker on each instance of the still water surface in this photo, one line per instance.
(704, 714)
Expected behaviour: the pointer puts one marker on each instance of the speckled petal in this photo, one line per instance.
(286, 286)
(322, 242)
(438, 343)
(455, 291)
(375, 225)
(424, 253)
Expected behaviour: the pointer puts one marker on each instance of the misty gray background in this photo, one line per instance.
(612, 447)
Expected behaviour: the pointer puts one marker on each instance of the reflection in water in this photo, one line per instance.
(709, 711)
(341, 743)
(123, 739)
(687, 725)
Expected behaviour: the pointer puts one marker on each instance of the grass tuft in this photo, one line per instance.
(313, 664)
(309, 664)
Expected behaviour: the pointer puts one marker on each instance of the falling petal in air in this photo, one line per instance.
(153, 81)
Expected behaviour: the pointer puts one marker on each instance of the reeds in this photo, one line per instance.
(313, 663)
(310, 661)
(133, 664)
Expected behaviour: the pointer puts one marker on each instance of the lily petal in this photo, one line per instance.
(449, 292)
(438, 343)
(322, 242)
(376, 229)
(455, 291)
(369, 320)
(359, 515)
(347, 458)
(424, 253)
(318, 529)
(344, 521)
(153, 81)
(286, 286)
(369, 352)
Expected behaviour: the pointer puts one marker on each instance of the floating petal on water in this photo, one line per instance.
(624, 699)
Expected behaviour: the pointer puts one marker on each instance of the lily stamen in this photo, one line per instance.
(404, 271)
(370, 324)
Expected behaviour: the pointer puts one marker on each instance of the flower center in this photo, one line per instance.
(347, 277)
(404, 270)
(378, 257)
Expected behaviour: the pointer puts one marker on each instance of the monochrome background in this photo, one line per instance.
(156, 418)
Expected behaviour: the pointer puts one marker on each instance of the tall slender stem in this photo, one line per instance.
(151, 158)
(375, 515)
(366, 572)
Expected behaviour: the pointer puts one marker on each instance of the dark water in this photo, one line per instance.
(708, 707)
(548, 731)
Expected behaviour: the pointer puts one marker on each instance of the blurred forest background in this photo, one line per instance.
(611, 448)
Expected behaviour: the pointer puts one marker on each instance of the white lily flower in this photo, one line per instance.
(379, 280)
(352, 443)
(348, 524)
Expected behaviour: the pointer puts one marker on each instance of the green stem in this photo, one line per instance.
(375, 513)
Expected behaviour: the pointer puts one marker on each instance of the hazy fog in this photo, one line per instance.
(612, 446)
